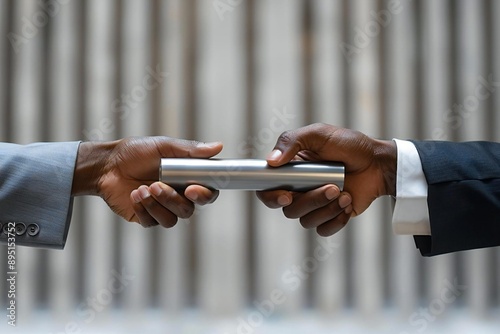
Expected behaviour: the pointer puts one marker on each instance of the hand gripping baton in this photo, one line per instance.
(250, 174)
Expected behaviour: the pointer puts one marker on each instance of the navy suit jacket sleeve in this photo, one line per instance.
(35, 192)
(463, 195)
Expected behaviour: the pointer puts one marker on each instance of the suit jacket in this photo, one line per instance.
(463, 195)
(35, 192)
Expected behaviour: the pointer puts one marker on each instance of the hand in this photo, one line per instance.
(125, 174)
(370, 173)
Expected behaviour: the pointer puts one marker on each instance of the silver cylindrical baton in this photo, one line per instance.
(250, 174)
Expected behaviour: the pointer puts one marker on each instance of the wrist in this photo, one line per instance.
(386, 154)
(90, 166)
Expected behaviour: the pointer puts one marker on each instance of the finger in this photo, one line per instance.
(274, 199)
(201, 195)
(311, 137)
(321, 215)
(170, 199)
(180, 148)
(345, 200)
(303, 203)
(151, 212)
(333, 226)
(143, 217)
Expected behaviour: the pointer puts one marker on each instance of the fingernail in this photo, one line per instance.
(284, 200)
(344, 201)
(156, 189)
(348, 210)
(274, 155)
(331, 193)
(143, 192)
(193, 197)
(136, 196)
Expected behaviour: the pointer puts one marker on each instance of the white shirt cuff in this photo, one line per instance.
(411, 213)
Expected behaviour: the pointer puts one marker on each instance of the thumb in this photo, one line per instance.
(311, 137)
(205, 150)
(181, 148)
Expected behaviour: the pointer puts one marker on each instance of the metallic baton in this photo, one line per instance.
(250, 174)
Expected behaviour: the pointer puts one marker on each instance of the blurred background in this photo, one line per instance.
(242, 72)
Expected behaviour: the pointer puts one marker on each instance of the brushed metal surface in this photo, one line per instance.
(250, 174)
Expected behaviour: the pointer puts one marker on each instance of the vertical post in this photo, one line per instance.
(173, 273)
(99, 89)
(471, 60)
(400, 104)
(26, 120)
(136, 50)
(222, 278)
(328, 107)
(496, 104)
(436, 96)
(280, 242)
(63, 112)
(365, 117)
(5, 50)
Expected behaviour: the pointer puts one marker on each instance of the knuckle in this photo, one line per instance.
(286, 137)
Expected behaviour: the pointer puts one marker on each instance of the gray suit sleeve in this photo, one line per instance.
(35, 192)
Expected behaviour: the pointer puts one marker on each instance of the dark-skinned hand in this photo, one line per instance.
(370, 167)
(125, 174)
